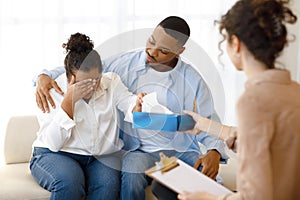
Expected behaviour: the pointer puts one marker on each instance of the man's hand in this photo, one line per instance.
(210, 164)
(43, 86)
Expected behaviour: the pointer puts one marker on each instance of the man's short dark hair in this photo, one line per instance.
(177, 28)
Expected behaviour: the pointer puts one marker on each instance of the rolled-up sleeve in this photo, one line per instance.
(54, 73)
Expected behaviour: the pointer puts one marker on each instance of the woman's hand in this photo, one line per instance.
(139, 101)
(227, 133)
(75, 92)
(201, 123)
(196, 196)
(79, 89)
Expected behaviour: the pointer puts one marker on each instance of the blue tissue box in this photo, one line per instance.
(164, 122)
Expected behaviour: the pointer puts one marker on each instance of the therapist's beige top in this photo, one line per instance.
(269, 138)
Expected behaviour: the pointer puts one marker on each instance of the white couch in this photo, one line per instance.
(15, 178)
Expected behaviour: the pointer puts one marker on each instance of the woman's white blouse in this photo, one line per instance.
(95, 128)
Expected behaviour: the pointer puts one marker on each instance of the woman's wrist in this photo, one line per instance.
(214, 128)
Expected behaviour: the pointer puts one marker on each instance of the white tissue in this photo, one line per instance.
(151, 105)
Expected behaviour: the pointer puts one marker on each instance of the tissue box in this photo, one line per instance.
(164, 122)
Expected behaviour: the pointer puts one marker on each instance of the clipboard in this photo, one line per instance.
(179, 177)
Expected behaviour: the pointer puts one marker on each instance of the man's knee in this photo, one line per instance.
(135, 180)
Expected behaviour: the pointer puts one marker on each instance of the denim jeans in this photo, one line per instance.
(134, 181)
(74, 176)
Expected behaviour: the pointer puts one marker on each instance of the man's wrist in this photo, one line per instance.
(215, 150)
(43, 74)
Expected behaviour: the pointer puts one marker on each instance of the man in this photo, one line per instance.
(179, 87)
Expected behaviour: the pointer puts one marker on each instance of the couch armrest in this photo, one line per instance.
(19, 136)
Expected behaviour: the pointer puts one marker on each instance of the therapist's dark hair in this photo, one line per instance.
(177, 28)
(80, 55)
(260, 25)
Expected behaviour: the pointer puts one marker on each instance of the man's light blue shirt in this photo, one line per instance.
(186, 90)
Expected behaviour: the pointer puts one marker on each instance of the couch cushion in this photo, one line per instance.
(19, 136)
(228, 173)
(17, 183)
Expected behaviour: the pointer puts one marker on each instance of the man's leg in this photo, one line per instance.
(188, 157)
(59, 174)
(134, 181)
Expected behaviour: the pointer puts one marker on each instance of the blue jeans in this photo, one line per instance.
(74, 176)
(134, 181)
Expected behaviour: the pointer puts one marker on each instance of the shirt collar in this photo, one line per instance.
(104, 85)
(142, 61)
(143, 66)
(271, 76)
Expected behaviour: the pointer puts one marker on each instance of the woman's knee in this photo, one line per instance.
(54, 172)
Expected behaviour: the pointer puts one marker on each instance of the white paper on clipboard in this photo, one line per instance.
(186, 178)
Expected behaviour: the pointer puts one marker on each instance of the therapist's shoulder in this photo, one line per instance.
(251, 104)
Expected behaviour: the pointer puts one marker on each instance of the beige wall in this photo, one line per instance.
(291, 56)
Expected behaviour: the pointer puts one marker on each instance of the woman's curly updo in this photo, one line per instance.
(80, 55)
(260, 25)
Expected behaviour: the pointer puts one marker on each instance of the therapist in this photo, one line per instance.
(268, 112)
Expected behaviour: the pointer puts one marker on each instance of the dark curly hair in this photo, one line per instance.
(80, 55)
(260, 25)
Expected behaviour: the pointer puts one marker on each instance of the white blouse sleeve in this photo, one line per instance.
(55, 126)
(122, 98)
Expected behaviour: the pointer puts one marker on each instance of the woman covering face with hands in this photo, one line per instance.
(76, 153)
